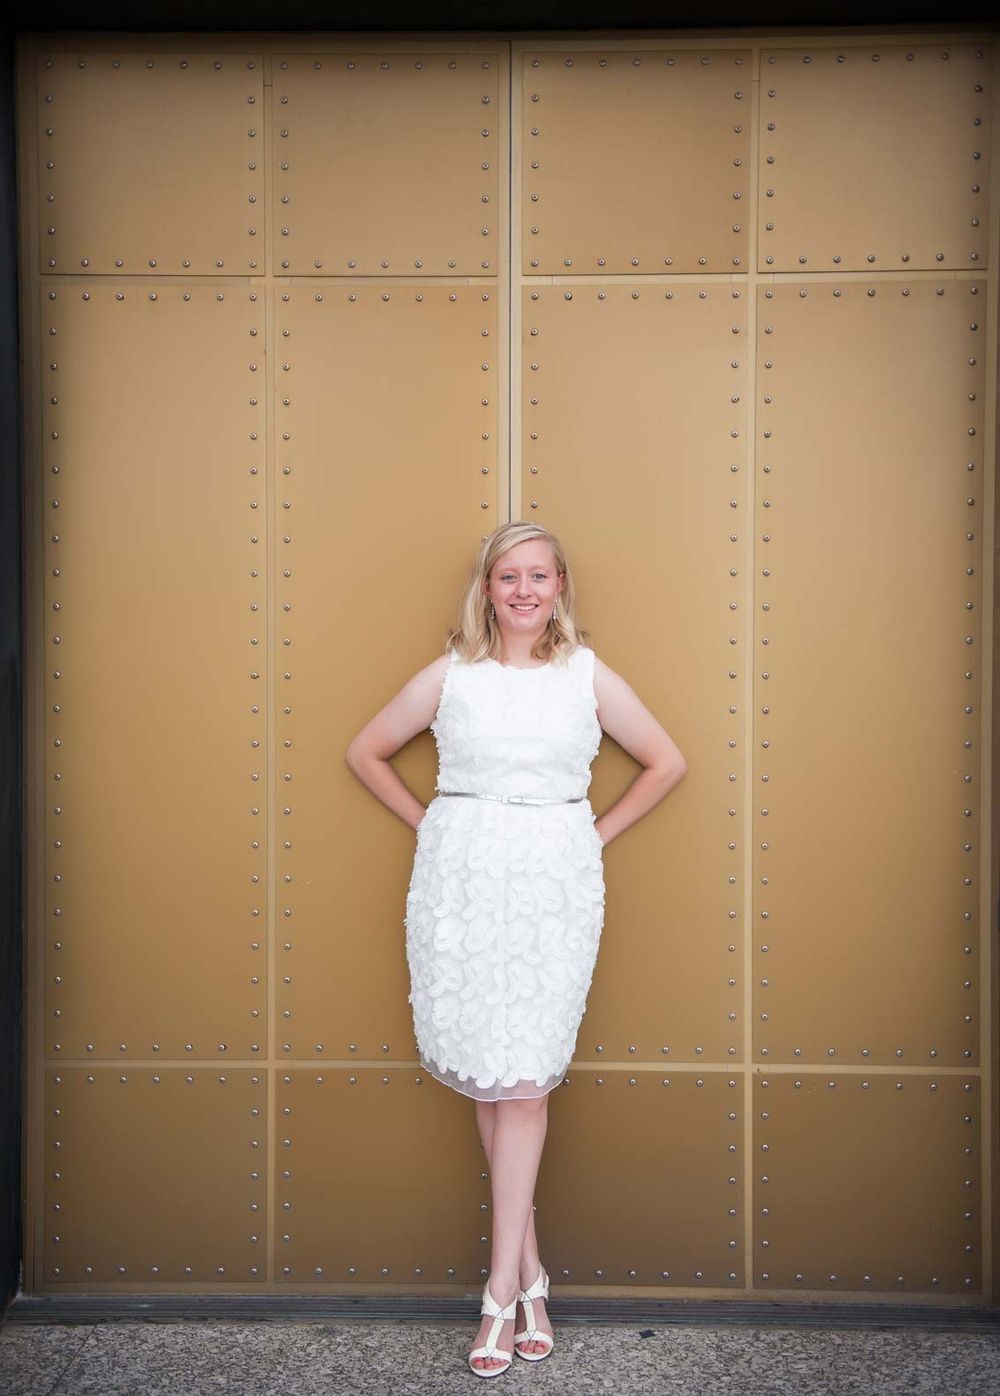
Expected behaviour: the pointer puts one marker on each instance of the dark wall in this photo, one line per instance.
(11, 1009)
(464, 15)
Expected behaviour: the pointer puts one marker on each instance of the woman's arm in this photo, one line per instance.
(368, 754)
(630, 723)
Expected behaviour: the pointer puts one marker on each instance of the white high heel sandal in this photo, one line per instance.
(531, 1334)
(489, 1349)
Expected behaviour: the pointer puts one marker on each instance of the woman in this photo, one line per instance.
(506, 900)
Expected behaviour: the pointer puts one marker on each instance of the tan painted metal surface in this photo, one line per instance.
(388, 163)
(866, 648)
(901, 129)
(300, 327)
(156, 160)
(633, 166)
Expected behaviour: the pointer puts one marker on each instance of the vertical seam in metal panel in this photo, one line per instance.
(512, 311)
(989, 998)
(750, 669)
(270, 928)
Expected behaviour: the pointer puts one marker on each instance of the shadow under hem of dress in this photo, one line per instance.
(520, 1090)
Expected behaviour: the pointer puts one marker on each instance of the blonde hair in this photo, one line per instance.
(477, 636)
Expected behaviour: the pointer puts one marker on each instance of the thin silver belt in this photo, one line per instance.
(513, 799)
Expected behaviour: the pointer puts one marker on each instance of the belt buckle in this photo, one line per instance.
(513, 799)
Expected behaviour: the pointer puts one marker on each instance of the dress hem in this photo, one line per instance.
(466, 1085)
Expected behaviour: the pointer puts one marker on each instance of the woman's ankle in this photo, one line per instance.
(501, 1287)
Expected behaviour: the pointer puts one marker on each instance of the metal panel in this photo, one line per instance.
(154, 781)
(386, 164)
(387, 423)
(874, 156)
(641, 1182)
(868, 726)
(867, 1183)
(382, 1182)
(150, 161)
(637, 395)
(249, 515)
(155, 1176)
(635, 161)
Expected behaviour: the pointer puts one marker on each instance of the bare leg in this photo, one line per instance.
(527, 1255)
(528, 1270)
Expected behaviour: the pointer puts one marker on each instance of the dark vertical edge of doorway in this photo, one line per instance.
(11, 945)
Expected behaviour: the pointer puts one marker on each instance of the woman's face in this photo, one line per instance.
(523, 585)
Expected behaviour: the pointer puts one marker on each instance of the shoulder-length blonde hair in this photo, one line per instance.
(477, 636)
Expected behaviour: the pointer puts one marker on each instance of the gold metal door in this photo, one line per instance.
(300, 326)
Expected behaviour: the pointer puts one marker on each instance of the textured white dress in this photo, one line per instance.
(505, 905)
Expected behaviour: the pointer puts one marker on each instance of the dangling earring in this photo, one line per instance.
(493, 612)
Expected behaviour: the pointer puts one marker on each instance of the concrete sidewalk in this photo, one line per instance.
(326, 1358)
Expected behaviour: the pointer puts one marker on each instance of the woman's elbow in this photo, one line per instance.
(675, 770)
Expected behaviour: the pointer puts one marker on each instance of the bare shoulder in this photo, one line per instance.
(610, 688)
(434, 672)
(422, 692)
(408, 712)
(625, 718)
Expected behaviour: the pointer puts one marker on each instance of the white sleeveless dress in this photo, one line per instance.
(505, 905)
